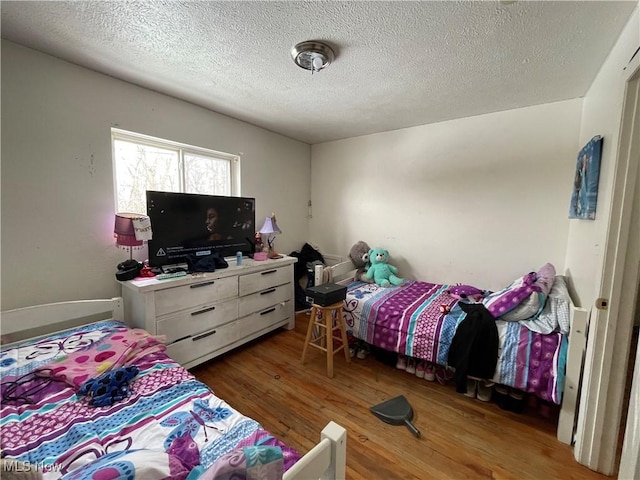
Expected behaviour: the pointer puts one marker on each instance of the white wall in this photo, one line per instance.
(57, 178)
(479, 200)
(602, 113)
(607, 352)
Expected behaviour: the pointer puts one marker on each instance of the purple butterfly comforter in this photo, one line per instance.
(168, 425)
(419, 319)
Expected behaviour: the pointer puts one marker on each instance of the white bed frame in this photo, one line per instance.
(326, 461)
(579, 319)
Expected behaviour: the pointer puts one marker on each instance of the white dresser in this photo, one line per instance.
(204, 315)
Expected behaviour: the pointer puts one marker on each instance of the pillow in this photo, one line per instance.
(546, 276)
(526, 309)
(524, 298)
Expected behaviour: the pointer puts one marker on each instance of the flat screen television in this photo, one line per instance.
(184, 223)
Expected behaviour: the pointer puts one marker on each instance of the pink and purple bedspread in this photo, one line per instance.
(169, 426)
(409, 320)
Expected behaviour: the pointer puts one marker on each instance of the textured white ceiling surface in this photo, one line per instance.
(398, 64)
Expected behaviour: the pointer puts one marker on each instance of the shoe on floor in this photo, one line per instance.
(429, 372)
(443, 374)
(516, 398)
(485, 389)
(501, 397)
(411, 366)
(420, 368)
(516, 394)
(401, 364)
(363, 351)
(472, 386)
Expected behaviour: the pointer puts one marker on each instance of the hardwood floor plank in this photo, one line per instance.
(461, 437)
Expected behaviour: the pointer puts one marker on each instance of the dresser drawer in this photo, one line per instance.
(264, 299)
(187, 296)
(254, 282)
(207, 342)
(260, 320)
(197, 320)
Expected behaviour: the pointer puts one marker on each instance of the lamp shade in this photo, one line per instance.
(270, 226)
(124, 230)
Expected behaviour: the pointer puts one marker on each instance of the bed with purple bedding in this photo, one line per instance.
(169, 425)
(420, 319)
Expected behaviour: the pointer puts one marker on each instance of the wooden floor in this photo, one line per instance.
(461, 437)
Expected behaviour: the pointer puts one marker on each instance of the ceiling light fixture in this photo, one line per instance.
(312, 55)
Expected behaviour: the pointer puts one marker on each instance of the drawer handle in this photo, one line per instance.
(204, 335)
(271, 290)
(204, 310)
(268, 272)
(203, 284)
(268, 311)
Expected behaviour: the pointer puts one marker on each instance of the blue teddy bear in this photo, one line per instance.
(381, 272)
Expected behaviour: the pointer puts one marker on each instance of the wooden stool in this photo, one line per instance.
(324, 325)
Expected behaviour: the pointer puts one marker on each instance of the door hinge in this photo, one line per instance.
(602, 303)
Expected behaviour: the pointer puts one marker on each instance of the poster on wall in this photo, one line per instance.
(585, 181)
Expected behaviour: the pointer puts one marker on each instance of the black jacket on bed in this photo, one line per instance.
(474, 348)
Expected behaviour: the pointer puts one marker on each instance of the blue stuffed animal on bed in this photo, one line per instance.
(108, 388)
(380, 271)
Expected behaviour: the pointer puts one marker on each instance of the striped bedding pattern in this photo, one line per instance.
(408, 320)
(61, 433)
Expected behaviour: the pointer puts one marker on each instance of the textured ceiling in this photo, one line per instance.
(398, 64)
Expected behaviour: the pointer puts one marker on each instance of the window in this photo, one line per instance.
(142, 163)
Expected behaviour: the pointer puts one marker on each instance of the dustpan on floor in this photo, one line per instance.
(396, 411)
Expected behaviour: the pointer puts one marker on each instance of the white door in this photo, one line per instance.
(612, 318)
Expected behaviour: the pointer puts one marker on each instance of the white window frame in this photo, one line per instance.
(181, 149)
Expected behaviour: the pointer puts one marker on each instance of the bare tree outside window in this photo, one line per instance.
(206, 175)
(143, 163)
(140, 168)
